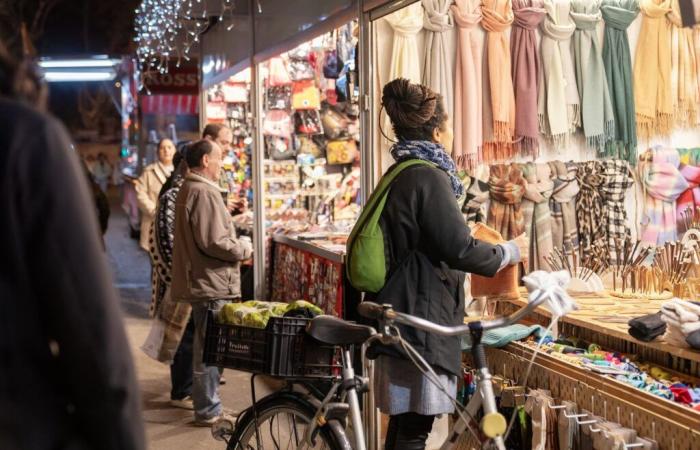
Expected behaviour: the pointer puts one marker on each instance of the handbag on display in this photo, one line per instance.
(341, 151)
(301, 69)
(332, 64)
(279, 97)
(279, 148)
(278, 74)
(307, 121)
(277, 123)
(307, 146)
(305, 95)
(331, 93)
(334, 123)
(235, 93)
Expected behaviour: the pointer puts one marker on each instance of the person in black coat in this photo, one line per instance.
(66, 374)
(429, 250)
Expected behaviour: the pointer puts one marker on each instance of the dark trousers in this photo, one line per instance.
(408, 431)
(181, 368)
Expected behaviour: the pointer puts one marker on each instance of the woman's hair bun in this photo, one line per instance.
(408, 105)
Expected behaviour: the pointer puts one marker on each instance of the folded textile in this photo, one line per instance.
(500, 337)
(674, 336)
(647, 328)
(685, 328)
(694, 340)
(681, 310)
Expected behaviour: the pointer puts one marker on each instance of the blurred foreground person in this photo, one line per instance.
(66, 374)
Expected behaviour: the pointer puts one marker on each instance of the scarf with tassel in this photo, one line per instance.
(525, 71)
(618, 15)
(597, 115)
(558, 100)
(690, 198)
(662, 184)
(497, 18)
(438, 68)
(696, 45)
(652, 70)
(536, 213)
(563, 206)
(468, 84)
(589, 205)
(506, 188)
(684, 71)
(617, 180)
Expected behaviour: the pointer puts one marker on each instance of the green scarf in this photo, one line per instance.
(618, 15)
(596, 109)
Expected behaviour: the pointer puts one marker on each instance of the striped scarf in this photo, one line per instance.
(662, 183)
(475, 202)
(506, 187)
(690, 198)
(536, 213)
(563, 206)
(589, 205)
(618, 179)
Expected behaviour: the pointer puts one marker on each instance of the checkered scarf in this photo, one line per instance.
(506, 188)
(690, 198)
(475, 202)
(662, 183)
(618, 179)
(563, 205)
(589, 205)
(536, 213)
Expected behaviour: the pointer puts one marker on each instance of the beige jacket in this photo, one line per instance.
(206, 253)
(147, 189)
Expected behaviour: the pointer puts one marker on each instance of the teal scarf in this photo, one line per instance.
(618, 15)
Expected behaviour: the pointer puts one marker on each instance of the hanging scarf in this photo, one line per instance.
(589, 205)
(690, 198)
(468, 84)
(431, 152)
(597, 115)
(617, 180)
(525, 71)
(497, 18)
(476, 198)
(536, 213)
(618, 15)
(506, 189)
(563, 206)
(558, 99)
(406, 23)
(662, 183)
(652, 70)
(696, 45)
(438, 68)
(684, 71)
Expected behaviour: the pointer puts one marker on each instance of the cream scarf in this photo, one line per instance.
(558, 100)
(468, 84)
(684, 71)
(652, 70)
(438, 65)
(497, 18)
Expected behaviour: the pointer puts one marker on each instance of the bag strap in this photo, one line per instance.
(379, 192)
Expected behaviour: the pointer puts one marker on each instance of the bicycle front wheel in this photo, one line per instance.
(282, 423)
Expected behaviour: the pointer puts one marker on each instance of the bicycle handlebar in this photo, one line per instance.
(385, 312)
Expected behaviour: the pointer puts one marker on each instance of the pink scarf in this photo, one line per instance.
(468, 84)
(525, 70)
(691, 197)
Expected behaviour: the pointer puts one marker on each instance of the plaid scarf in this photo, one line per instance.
(536, 213)
(662, 183)
(476, 198)
(563, 206)
(589, 205)
(431, 152)
(506, 187)
(690, 198)
(618, 179)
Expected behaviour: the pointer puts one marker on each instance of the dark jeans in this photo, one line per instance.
(181, 368)
(408, 431)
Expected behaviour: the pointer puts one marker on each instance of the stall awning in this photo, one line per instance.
(170, 104)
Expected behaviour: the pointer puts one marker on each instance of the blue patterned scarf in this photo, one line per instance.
(431, 152)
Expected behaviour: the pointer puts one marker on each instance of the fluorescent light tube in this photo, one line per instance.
(79, 76)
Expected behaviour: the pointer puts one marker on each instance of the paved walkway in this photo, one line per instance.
(167, 428)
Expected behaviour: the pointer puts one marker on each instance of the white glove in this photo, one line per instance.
(553, 286)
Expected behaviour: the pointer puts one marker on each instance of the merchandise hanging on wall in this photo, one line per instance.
(536, 212)
(438, 64)
(684, 73)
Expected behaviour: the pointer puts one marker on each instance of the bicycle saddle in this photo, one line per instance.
(334, 331)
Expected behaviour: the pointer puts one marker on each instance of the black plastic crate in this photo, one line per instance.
(282, 349)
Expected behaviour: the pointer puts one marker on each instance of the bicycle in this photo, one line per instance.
(305, 417)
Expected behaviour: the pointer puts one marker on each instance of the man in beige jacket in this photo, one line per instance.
(148, 186)
(206, 263)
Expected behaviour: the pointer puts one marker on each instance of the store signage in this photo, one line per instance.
(177, 80)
